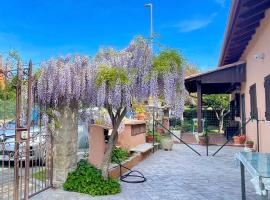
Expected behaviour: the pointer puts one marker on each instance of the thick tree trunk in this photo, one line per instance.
(116, 121)
(221, 121)
(65, 145)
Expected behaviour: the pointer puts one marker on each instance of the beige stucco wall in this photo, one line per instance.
(128, 141)
(97, 144)
(256, 71)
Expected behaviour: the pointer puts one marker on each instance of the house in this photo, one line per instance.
(243, 70)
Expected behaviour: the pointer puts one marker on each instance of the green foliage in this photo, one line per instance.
(119, 155)
(187, 126)
(138, 107)
(249, 142)
(217, 101)
(110, 76)
(9, 91)
(54, 119)
(7, 109)
(8, 99)
(88, 179)
(166, 61)
(40, 175)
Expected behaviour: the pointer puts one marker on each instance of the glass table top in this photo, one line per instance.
(258, 164)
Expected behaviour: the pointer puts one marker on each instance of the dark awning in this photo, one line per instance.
(220, 81)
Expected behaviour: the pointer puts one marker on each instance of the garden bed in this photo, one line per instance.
(136, 157)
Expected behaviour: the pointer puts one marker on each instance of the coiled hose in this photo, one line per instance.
(139, 177)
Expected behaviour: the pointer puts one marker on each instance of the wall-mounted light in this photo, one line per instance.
(259, 56)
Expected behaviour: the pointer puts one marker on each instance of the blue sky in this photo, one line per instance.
(41, 29)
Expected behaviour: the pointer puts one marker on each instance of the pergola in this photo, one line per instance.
(223, 80)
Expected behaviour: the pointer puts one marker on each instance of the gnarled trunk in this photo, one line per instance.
(65, 145)
(116, 121)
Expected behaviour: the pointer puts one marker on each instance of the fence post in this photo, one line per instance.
(27, 146)
(17, 136)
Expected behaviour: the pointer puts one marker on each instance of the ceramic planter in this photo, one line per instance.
(166, 143)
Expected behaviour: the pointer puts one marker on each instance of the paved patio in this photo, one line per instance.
(178, 174)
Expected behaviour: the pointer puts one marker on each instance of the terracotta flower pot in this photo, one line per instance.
(140, 116)
(149, 138)
(239, 139)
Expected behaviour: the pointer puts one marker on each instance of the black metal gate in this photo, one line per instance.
(25, 145)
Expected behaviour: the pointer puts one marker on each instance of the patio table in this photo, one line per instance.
(258, 165)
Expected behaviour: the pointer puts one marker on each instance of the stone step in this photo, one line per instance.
(144, 147)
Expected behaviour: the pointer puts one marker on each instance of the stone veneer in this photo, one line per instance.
(65, 146)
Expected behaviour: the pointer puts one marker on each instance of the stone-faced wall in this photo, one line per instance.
(65, 146)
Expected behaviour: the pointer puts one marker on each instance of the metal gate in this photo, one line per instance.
(25, 145)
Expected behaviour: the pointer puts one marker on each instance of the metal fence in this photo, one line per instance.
(25, 146)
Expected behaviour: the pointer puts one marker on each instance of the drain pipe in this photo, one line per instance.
(258, 135)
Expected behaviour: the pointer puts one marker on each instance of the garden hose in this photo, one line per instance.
(132, 173)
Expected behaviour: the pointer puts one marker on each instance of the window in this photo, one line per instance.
(253, 102)
(267, 97)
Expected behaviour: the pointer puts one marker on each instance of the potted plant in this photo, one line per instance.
(249, 144)
(239, 139)
(139, 111)
(150, 137)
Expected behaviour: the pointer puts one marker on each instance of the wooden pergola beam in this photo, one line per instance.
(199, 107)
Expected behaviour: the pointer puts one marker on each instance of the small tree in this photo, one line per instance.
(220, 104)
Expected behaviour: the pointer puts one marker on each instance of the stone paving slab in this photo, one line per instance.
(178, 175)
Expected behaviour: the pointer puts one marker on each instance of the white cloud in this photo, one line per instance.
(194, 24)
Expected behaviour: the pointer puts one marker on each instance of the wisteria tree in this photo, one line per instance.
(61, 90)
(112, 80)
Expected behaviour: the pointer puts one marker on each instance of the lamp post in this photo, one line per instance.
(150, 5)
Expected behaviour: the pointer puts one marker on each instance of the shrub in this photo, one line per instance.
(119, 155)
(156, 135)
(88, 179)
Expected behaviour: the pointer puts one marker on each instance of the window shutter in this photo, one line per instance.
(237, 105)
(267, 97)
(232, 109)
(253, 102)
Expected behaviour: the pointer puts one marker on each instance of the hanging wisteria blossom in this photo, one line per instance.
(113, 80)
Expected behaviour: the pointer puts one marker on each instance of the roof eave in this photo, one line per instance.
(227, 35)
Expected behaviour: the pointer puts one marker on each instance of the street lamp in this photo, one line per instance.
(150, 5)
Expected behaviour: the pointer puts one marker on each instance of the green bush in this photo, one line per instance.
(88, 179)
(119, 155)
(187, 126)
